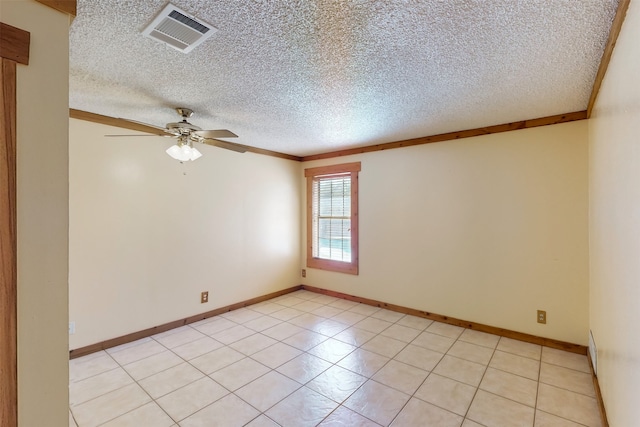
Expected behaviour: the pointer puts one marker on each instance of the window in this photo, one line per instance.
(332, 217)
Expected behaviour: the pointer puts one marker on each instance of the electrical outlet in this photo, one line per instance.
(304, 273)
(542, 316)
(204, 297)
(72, 328)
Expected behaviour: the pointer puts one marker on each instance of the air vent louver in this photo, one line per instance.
(175, 28)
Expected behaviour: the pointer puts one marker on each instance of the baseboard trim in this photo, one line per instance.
(113, 342)
(596, 386)
(520, 336)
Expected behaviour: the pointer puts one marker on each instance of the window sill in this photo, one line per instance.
(336, 266)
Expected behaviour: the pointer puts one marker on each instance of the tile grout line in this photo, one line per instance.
(423, 330)
(138, 407)
(98, 396)
(535, 410)
(275, 369)
(140, 385)
(74, 418)
(564, 418)
(207, 376)
(425, 379)
(164, 370)
(382, 367)
(90, 377)
(233, 392)
(480, 382)
(179, 388)
(511, 373)
(341, 404)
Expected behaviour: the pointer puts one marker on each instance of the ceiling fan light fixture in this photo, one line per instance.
(183, 152)
(195, 154)
(175, 152)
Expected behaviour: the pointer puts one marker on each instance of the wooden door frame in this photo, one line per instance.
(14, 49)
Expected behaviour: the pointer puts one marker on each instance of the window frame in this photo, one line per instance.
(312, 174)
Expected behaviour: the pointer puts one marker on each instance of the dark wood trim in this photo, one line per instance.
(614, 32)
(524, 124)
(83, 351)
(8, 248)
(14, 44)
(65, 6)
(14, 49)
(520, 336)
(264, 152)
(333, 169)
(596, 386)
(141, 127)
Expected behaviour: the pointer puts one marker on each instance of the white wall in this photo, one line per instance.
(42, 199)
(486, 229)
(148, 233)
(615, 227)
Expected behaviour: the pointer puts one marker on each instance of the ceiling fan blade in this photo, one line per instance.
(146, 125)
(224, 144)
(166, 136)
(219, 133)
(112, 121)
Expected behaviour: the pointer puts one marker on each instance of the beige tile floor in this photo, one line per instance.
(307, 359)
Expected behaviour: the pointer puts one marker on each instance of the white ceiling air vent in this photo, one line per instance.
(175, 28)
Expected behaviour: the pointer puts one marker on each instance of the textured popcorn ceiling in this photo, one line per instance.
(306, 77)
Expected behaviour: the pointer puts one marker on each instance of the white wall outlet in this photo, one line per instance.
(72, 328)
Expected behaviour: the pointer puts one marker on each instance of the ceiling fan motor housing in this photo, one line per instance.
(183, 127)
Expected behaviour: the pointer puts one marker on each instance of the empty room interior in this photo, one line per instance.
(320, 213)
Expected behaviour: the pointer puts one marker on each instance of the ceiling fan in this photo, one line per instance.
(187, 133)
